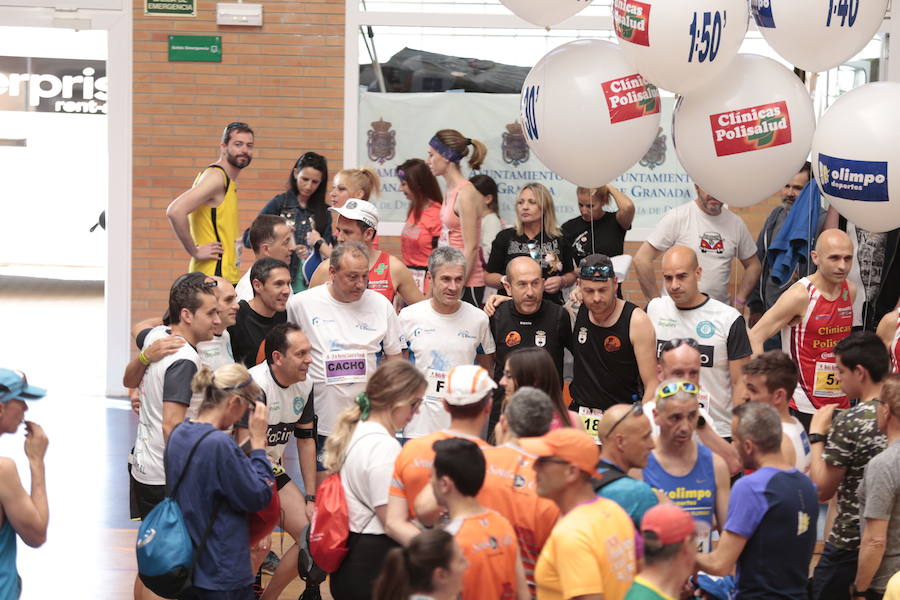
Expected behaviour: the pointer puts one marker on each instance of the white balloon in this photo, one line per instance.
(679, 45)
(817, 35)
(545, 12)
(744, 135)
(587, 114)
(856, 157)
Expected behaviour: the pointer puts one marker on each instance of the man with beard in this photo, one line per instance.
(205, 217)
(271, 280)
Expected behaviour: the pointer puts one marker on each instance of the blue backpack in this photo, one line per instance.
(165, 553)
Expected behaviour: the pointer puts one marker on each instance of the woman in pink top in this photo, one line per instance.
(534, 367)
(463, 205)
(423, 219)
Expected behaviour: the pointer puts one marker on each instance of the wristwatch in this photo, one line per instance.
(310, 497)
(815, 438)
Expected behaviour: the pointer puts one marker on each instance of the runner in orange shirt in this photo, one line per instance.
(467, 397)
(509, 485)
(487, 539)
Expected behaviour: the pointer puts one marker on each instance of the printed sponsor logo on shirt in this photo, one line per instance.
(860, 180)
(513, 338)
(422, 331)
(298, 404)
(364, 326)
(540, 338)
(466, 335)
(666, 322)
(630, 97)
(612, 343)
(321, 321)
(582, 335)
(711, 241)
(632, 21)
(762, 12)
(705, 329)
(750, 129)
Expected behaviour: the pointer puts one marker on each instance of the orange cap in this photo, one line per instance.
(569, 444)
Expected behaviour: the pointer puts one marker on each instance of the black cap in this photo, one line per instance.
(596, 267)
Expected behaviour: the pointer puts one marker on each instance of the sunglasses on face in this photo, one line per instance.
(670, 389)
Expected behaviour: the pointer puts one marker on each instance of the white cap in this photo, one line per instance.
(359, 210)
(467, 384)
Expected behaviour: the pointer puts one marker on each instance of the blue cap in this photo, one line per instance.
(14, 386)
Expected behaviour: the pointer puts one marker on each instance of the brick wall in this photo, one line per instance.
(285, 79)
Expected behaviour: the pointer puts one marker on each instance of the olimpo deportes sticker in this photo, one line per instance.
(630, 97)
(632, 21)
(749, 129)
(862, 180)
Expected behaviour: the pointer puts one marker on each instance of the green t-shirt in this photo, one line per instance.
(641, 589)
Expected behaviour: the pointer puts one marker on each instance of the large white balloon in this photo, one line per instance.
(545, 12)
(679, 44)
(587, 114)
(817, 35)
(856, 157)
(744, 135)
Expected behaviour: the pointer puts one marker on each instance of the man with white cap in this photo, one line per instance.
(669, 535)
(357, 220)
(591, 552)
(467, 397)
(20, 512)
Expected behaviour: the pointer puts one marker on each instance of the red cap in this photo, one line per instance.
(569, 444)
(670, 523)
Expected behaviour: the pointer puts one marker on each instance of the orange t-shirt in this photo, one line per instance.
(509, 488)
(412, 469)
(489, 544)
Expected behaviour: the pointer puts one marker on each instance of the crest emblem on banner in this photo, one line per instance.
(382, 141)
(515, 148)
(656, 155)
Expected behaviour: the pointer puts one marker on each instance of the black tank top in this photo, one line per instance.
(606, 372)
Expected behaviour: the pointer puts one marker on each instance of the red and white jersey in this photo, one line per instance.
(895, 346)
(811, 342)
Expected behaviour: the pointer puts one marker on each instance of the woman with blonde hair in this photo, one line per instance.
(362, 184)
(463, 205)
(363, 448)
(430, 568)
(216, 484)
(537, 235)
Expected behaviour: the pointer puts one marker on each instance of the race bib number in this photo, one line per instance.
(703, 401)
(826, 382)
(345, 367)
(591, 419)
(437, 380)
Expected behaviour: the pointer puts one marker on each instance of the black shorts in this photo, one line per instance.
(282, 479)
(143, 497)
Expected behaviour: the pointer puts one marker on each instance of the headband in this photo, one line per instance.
(401, 174)
(444, 150)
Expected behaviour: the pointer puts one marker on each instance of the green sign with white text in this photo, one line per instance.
(179, 8)
(196, 48)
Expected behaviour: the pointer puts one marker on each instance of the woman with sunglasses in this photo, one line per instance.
(422, 229)
(537, 235)
(303, 205)
(363, 448)
(216, 484)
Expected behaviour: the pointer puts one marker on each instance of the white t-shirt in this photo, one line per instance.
(716, 240)
(721, 335)
(285, 405)
(216, 352)
(437, 343)
(167, 379)
(345, 338)
(244, 289)
(366, 475)
(802, 449)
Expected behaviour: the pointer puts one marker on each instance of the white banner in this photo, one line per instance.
(395, 127)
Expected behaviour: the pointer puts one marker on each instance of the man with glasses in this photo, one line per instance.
(24, 514)
(591, 551)
(205, 217)
(687, 472)
(627, 441)
(770, 532)
(614, 347)
(719, 329)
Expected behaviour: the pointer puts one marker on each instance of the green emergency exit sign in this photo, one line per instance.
(195, 48)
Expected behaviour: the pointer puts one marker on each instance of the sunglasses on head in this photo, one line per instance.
(236, 125)
(672, 344)
(670, 389)
(637, 409)
(596, 272)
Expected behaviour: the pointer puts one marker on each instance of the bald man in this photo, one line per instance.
(627, 441)
(813, 315)
(719, 331)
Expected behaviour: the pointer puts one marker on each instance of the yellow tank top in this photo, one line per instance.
(220, 223)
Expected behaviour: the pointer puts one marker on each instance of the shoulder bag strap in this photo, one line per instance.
(187, 463)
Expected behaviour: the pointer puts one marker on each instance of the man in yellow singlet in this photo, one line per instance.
(205, 217)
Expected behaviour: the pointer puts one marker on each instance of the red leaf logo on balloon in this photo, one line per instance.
(631, 20)
(753, 128)
(629, 98)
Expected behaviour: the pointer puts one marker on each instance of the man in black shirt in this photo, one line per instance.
(614, 347)
(271, 280)
(597, 231)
